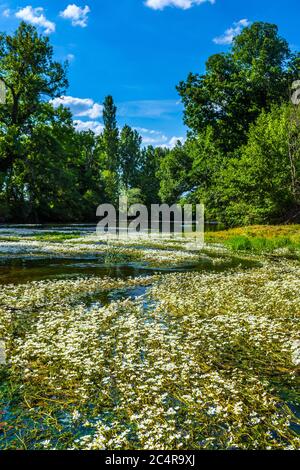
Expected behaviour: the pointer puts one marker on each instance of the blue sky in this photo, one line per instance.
(138, 50)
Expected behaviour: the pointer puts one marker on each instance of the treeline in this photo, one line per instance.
(241, 157)
(48, 170)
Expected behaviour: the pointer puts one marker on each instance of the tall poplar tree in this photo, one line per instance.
(109, 144)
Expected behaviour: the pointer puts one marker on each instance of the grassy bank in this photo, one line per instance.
(260, 239)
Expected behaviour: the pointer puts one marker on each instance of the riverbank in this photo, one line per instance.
(261, 239)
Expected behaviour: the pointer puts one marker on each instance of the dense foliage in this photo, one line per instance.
(241, 157)
(48, 170)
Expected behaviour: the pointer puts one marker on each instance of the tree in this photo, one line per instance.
(87, 165)
(108, 146)
(130, 157)
(42, 185)
(293, 117)
(261, 184)
(207, 162)
(188, 172)
(31, 76)
(110, 136)
(238, 85)
(174, 174)
(149, 179)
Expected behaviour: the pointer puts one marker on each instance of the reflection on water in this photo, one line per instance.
(21, 270)
(82, 229)
(18, 271)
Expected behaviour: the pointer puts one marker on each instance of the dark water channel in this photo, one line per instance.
(25, 269)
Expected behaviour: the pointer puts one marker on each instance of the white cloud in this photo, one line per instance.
(143, 130)
(94, 126)
(77, 15)
(80, 107)
(152, 137)
(6, 13)
(70, 57)
(158, 138)
(183, 4)
(36, 17)
(232, 32)
(174, 141)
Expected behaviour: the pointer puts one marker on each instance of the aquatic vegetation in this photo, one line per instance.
(187, 360)
(200, 361)
(56, 236)
(116, 250)
(283, 241)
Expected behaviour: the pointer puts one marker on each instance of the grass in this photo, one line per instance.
(43, 237)
(282, 240)
(261, 245)
(257, 231)
(4, 238)
(55, 236)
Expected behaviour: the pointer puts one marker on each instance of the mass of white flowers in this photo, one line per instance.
(201, 361)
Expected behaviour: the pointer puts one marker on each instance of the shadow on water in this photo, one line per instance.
(19, 271)
(22, 270)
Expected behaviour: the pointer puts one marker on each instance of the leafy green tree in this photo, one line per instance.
(242, 158)
(174, 174)
(237, 86)
(42, 185)
(31, 76)
(149, 178)
(188, 172)
(130, 157)
(108, 146)
(110, 136)
(134, 196)
(262, 183)
(207, 161)
(87, 166)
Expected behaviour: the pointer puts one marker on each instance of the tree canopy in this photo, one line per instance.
(241, 156)
(31, 77)
(256, 73)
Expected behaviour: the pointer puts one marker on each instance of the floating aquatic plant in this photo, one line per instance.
(200, 361)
